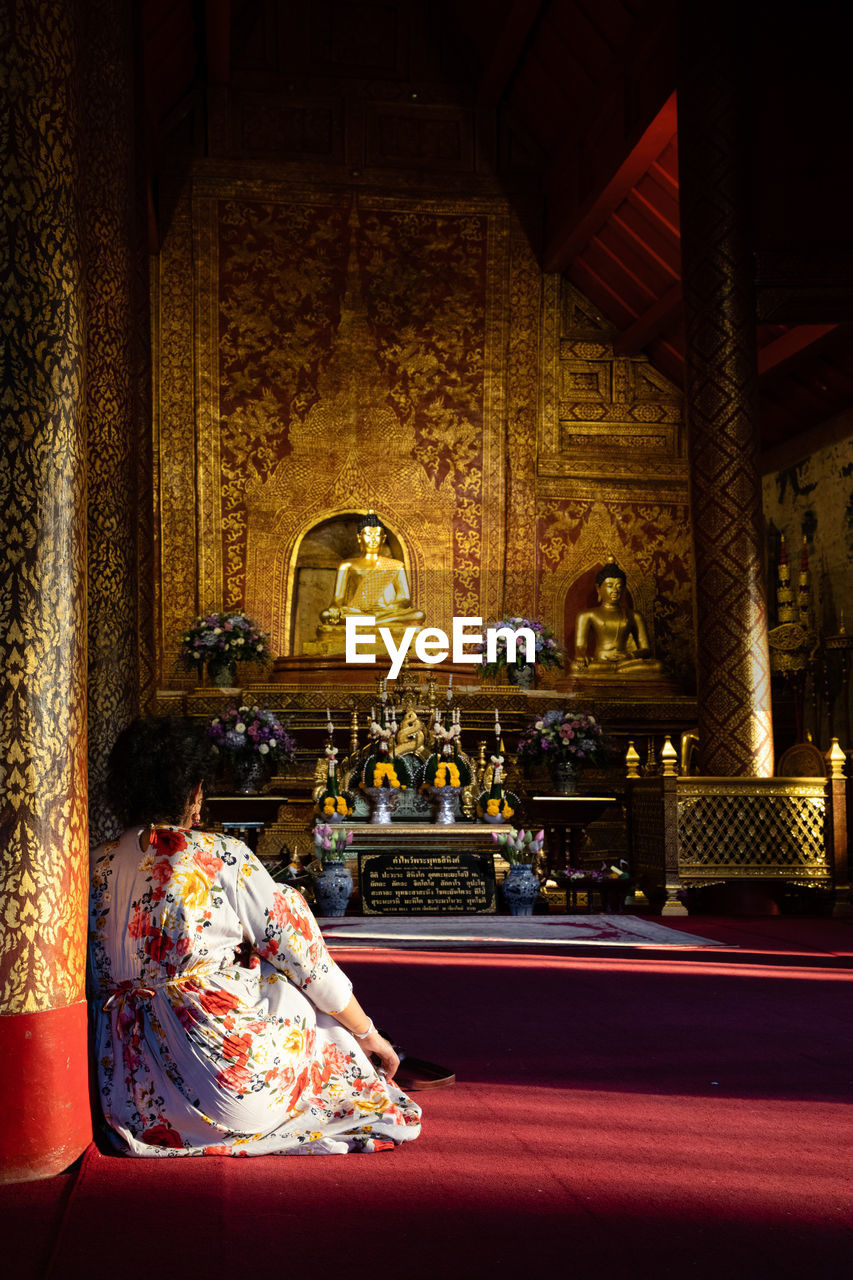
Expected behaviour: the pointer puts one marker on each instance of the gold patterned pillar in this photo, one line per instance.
(735, 728)
(45, 1119)
(110, 232)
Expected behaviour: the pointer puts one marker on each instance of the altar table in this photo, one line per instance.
(564, 819)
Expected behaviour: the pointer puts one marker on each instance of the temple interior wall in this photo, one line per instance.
(354, 349)
(349, 312)
(813, 499)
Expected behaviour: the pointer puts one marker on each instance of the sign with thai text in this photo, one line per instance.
(427, 882)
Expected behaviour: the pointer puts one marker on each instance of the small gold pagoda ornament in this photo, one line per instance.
(669, 758)
(632, 761)
(836, 760)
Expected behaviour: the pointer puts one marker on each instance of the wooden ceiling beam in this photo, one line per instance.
(650, 325)
(506, 52)
(572, 230)
(636, 239)
(790, 344)
(595, 287)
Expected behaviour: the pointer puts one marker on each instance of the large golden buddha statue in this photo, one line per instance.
(620, 642)
(370, 584)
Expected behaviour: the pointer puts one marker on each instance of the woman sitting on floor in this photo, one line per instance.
(196, 1053)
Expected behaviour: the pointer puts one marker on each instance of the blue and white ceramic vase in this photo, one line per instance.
(333, 889)
(521, 889)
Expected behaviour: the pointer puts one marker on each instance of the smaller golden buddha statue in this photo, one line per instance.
(370, 584)
(620, 642)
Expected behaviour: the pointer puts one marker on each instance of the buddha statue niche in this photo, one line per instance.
(611, 639)
(369, 584)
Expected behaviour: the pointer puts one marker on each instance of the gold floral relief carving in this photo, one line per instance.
(174, 427)
(43, 817)
(522, 414)
(111, 405)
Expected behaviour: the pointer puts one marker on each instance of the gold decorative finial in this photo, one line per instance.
(669, 758)
(632, 761)
(836, 760)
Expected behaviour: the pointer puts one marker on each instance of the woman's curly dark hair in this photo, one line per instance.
(154, 766)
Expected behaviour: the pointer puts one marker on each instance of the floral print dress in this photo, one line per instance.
(212, 991)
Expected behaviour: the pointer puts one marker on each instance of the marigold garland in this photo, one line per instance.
(383, 770)
(447, 775)
(495, 807)
(335, 804)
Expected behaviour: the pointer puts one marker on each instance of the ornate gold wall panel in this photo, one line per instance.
(527, 309)
(606, 482)
(112, 358)
(174, 435)
(354, 348)
(348, 354)
(43, 845)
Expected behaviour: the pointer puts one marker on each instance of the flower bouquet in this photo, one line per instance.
(613, 883)
(251, 740)
(564, 741)
(547, 650)
(446, 771)
(331, 842)
(217, 641)
(497, 805)
(445, 766)
(384, 776)
(333, 804)
(519, 846)
(521, 886)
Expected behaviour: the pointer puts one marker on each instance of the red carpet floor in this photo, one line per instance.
(660, 1116)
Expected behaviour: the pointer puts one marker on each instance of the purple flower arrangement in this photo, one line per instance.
(581, 875)
(548, 651)
(563, 737)
(217, 639)
(241, 732)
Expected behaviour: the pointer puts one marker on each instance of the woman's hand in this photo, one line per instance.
(355, 1020)
(376, 1045)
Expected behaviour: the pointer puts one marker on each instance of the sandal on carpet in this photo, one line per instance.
(418, 1073)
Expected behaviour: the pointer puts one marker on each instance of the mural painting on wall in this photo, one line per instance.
(409, 356)
(358, 367)
(813, 500)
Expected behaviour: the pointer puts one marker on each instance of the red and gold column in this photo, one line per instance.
(45, 1120)
(735, 728)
